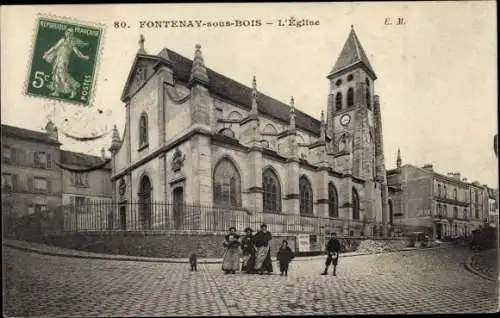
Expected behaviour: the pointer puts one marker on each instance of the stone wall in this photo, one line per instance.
(161, 245)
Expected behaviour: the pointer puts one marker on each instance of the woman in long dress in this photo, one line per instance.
(231, 259)
(59, 55)
(248, 249)
(263, 251)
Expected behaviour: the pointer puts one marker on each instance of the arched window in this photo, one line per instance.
(444, 192)
(368, 98)
(338, 101)
(350, 97)
(455, 194)
(333, 201)
(465, 214)
(226, 185)
(439, 190)
(455, 213)
(446, 211)
(271, 196)
(306, 196)
(143, 130)
(355, 204)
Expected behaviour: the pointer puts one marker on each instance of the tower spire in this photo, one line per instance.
(352, 54)
(141, 45)
(198, 69)
(254, 96)
(292, 114)
(398, 160)
(115, 141)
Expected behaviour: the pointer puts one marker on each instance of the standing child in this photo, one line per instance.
(284, 256)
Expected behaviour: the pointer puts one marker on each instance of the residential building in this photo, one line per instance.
(31, 182)
(441, 205)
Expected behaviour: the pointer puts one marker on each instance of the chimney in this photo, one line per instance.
(428, 167)
(464, 179)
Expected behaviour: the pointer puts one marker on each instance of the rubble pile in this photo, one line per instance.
(371, 246)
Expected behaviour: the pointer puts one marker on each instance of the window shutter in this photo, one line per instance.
(30, 184)
(14, 182)
(49, 161)
(13, 155)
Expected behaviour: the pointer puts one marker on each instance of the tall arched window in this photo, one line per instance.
(368, 98)
(143, 130)
(355, 204)
(444, 192)
(446, 211)
(271, 196)
(226, 184)
(350, 97)
(455, 194)
(338, 101)
(145, 202)
(455, 213)
(333, 201)
(306, 196)
(439, 190)
(465, 214)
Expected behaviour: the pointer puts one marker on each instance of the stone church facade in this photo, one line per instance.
(195, 136)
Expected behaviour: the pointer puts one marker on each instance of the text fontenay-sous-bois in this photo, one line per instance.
(158, 24)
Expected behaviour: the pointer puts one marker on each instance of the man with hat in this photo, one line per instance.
(248, 249)
(333, 251)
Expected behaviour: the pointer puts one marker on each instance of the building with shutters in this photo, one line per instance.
(443, 205)
(32, 179)
(194, 135)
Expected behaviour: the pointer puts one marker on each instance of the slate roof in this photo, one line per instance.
(81, 159)
(241, 94)
(352, 54)
(18, 132)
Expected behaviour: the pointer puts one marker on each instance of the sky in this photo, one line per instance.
(437, 72)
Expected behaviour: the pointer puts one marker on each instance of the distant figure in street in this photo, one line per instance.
(333, 251)
(284, 256)
(248, 249)
(193, 261)
(231, 259)
(263, 251)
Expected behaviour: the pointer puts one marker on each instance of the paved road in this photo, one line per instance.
(432, 281)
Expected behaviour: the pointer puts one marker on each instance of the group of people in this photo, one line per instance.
(255, 253)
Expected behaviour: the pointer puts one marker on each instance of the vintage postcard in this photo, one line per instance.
(249, 159)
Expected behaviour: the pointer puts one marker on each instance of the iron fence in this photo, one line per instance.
(161, 216)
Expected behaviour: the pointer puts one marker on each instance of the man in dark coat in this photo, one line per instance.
(333, 251)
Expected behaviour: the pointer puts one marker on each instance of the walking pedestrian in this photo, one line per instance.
(333, 251)
(231, 259)
(284, 256)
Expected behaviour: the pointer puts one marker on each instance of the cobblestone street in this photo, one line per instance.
(425, 281)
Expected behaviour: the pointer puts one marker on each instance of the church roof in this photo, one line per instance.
(352, 54)
(82, 159)
(242, 94)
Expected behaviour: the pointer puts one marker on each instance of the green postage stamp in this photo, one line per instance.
(64, 60)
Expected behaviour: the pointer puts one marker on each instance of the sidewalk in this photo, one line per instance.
(57, 251)
(484, 264)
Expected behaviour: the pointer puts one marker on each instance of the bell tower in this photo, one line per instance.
(350, 110)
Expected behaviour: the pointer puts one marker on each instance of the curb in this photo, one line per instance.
(116, 257)
(468, 266)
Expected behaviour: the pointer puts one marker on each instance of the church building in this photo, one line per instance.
(193, 135)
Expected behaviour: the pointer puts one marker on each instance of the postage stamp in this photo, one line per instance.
(64, 60)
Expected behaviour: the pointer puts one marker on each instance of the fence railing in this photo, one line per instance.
(161, 216)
